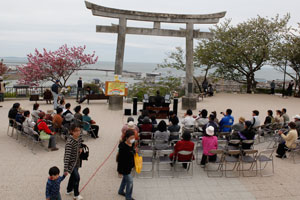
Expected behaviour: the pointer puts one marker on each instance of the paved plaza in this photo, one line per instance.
(24, 174)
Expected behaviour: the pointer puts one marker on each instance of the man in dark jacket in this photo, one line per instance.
(54, 90)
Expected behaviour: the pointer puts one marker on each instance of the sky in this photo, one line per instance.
(29, 24)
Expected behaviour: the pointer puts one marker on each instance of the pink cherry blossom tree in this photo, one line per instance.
(54, 65)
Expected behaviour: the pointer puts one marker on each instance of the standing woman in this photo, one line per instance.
(72, 161)
(125, 161)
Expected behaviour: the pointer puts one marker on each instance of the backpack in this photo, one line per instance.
(85, 152)
(35, 128)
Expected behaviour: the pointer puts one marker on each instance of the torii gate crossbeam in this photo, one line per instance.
(189, 33)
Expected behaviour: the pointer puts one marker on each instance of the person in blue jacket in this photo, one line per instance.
(226, 122)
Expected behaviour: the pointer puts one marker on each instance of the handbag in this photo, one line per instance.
(138, 163)
(44, 135)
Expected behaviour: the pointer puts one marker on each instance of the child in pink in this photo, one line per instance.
(209, 142)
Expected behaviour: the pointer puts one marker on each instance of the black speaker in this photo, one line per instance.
(127, 111)
(134, 110)
(175, 105)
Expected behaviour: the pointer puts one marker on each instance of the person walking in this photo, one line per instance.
(272, 85)
(125, 161)
(54, 90)
(79, 89)
(72, 161)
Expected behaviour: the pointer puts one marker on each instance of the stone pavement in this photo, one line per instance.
(24, 175)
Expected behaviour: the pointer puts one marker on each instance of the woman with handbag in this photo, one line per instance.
(44, 131)
(125, 161)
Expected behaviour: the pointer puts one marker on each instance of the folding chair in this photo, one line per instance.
(36, 142)
(247, 143)
(174, 137)
(146, 141)
(294, 151)
(224, 135)
(12, 125)
(148, 160)
(162, 157)
(265, 156)
(188, 163)
(217, 166)
(233, 144)
(232, 157)
(249, 157)
(189, 129)
(198, 151)
(222, 144)
(196, 136)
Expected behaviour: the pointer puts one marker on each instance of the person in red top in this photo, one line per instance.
(183, 145)
(42, 126)
(146, 126)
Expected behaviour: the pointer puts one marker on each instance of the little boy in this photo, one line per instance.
(53, 184)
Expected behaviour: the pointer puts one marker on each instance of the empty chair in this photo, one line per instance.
(232, 157)
(215, 169)
(148, 163)
(164, 159)
(222, 144)
(263, 158)
(249, 158)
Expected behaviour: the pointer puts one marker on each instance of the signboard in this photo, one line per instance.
(115, 88)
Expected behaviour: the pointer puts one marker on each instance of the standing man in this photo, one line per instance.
(290, 88)
(54, 90)
(2, 89)
(272, 85)
(79, 88)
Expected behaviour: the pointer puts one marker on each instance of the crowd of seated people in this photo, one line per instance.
(58, 122)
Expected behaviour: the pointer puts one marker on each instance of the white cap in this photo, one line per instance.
(130, 124)
(296, 117)
(210, 130)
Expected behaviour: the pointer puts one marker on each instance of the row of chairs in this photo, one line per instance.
(232, 163)
(16, 129)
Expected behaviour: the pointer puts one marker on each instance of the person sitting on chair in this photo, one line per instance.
(227, 121)
(289, 140)
(158, 99)
(89, 92)
(90, 126)
(183, 145)
(162, 136)
(189, 120)
(209, 142)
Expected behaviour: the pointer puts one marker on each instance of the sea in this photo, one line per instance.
(267, 73)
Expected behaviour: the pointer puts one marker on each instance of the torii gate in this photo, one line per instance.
(189, 33)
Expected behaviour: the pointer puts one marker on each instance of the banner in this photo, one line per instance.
(115, 88)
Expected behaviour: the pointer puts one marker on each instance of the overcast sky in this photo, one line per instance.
(29, 24)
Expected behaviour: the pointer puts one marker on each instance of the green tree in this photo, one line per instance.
(286, 53)
(237, 52)
(176, 60)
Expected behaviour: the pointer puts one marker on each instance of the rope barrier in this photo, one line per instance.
(99, 167)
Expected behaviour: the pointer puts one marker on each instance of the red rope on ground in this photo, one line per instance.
(99, 167)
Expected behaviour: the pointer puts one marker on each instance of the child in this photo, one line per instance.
(53, 184)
